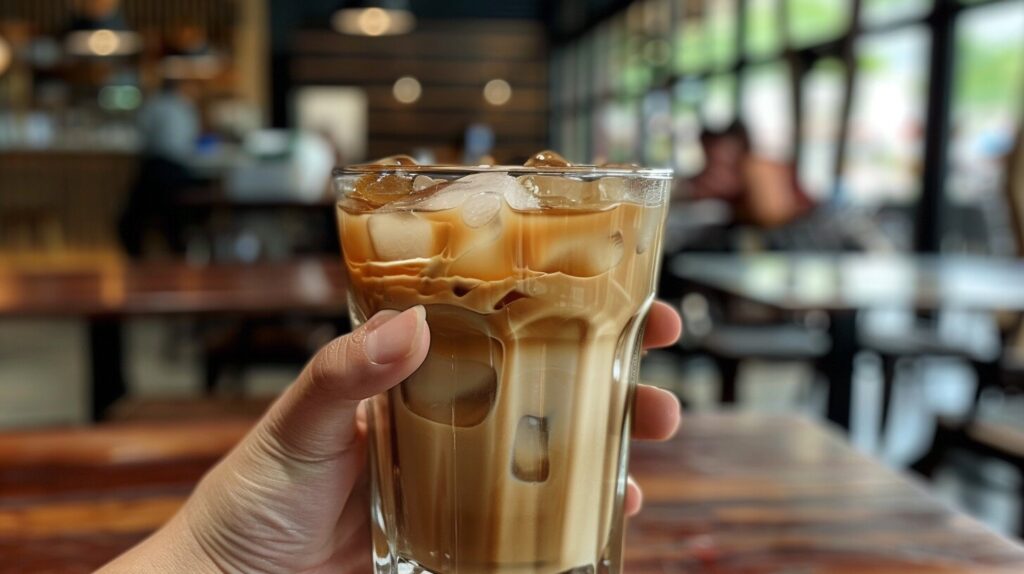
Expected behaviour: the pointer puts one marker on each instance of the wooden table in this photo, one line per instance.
(731, 494)
(106, 291)
(843, 285)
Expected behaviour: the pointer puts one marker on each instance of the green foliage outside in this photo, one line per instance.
(813, 21)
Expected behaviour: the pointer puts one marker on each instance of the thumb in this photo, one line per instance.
(315, 418)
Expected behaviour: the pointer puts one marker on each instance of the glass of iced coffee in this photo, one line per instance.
(506, 451)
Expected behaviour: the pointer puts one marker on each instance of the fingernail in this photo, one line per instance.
(397, 337)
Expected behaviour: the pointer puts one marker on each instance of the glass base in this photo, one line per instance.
(403, 566)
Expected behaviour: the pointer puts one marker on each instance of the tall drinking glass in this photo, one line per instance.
(506, 451)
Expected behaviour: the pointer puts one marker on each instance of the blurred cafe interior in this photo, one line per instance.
(844, 239)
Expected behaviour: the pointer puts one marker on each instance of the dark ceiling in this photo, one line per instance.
(564, 18)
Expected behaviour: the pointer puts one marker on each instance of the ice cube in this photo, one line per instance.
(451, 195)
(382, 189)
(611, 189)
(556, 191)
(481, 253)
(500, 183)
(580, 256)
(519, 198)
(530, 450)
(547, 158)
(485, 181)
(480, 209)
(401, 236)
(458, 382)
(422, 182)
(647, 231)
(445, 197)
(451, 389)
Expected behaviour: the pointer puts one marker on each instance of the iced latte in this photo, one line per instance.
(505, 452)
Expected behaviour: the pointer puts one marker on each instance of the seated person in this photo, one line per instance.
(761, 191)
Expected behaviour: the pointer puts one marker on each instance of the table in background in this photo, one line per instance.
(732, 493)
(842, 285)
(105, 292)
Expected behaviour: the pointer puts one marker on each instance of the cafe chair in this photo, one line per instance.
(982, 434)
(729, 343)
(231, 350)
(899, 338)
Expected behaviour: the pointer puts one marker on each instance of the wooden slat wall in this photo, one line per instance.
(62, 201)
(52, 16)
(452, 60)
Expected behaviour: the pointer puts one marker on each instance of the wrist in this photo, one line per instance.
(173, 548)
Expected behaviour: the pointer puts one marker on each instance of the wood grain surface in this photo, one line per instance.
(114, 287)
(731, 494)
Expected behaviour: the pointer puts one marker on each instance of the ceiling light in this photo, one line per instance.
(5, 55)
(103, 42)
(497, 92)
(375, 19)
(407, 89)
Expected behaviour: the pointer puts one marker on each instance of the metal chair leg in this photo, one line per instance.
(728, 371)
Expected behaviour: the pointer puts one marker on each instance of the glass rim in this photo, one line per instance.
(445, 169)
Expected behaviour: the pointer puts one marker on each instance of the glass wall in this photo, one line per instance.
(884, 152)
(801, 77)
(822, 92)
(988, 99)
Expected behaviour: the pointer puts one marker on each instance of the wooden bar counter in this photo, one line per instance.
(733, 493)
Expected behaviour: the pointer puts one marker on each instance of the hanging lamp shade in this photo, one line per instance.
(101, 34)
(374, 18)
(6, 55)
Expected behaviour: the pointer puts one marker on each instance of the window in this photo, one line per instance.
(616, 137)
(719, 105)
(657, 47)
(812, 21)
(559, 86)
(581, 136)
(643, 84)
(988, 97)
(602, 64)
(566, 136)
(657, 129)
(767, 109)
(637, 73)
(584, 76)
(875, 12)
(620, 54)
(761, 29)
(721, 30)
(688, 155)
(884, 152)
(689, 50)
(822, 92)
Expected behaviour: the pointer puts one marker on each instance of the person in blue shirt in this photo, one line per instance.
(169, 128)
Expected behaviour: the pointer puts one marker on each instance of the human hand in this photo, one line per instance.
(293, 495)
